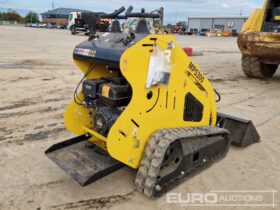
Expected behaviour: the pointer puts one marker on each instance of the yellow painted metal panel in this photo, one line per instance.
(255, 21)
(165, 109)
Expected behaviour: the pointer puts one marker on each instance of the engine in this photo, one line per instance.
(108, 97)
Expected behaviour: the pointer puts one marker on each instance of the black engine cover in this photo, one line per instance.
(107, 49)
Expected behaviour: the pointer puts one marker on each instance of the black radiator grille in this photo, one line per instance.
(193, 109)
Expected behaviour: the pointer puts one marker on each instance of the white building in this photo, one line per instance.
(202, 24)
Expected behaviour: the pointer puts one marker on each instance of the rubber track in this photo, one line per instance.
(155, 150)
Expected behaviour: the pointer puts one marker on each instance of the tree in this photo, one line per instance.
(12, 16)
(182, 23)
(1, 16)
(169, 25)
(31, 17)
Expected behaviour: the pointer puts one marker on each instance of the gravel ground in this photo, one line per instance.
(37, 79)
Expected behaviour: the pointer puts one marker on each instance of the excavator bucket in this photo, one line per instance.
(243, 132)
(83, 163)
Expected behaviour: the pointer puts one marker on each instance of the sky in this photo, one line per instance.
(175, 10)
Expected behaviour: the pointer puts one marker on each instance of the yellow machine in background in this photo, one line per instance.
(259, 41)
(146, 105)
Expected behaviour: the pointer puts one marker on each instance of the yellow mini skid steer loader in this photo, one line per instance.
(144, 104)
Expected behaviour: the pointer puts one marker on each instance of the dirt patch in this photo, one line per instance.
(237, 78)
(48, 79)
(6, 134)
(98, 203)
(14, 106)
(3, 138)
(217, 80)
(25, 113)
(231, 79)
(39, 127)
(21, 78)
(41, 135)
(52, 125)
(54, 100)
(37, 136)
(27, 64)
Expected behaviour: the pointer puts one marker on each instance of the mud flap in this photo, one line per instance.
(84, 164)
(243, 132)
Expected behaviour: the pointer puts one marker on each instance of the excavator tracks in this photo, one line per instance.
(172, 154)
